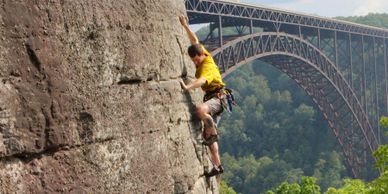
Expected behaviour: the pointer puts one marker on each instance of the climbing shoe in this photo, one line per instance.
(209, 141)
(215, 171)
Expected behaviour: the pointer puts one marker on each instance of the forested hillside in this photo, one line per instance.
(373, 19)
(276, 134)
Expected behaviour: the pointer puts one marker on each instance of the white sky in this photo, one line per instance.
(328, 8)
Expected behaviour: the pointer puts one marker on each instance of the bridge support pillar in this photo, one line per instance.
(385, 75)
(251, 27)
(220, 31)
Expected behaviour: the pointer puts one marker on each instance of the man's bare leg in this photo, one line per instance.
(214, 152)
(209, 126)
(209, 129)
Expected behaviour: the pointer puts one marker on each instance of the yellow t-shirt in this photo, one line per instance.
(210, 72)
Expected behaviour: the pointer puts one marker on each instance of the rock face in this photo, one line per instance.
(90, 102)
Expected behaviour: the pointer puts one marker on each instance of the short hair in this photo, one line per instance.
(194, 50)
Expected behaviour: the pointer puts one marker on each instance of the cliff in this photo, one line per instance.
(90, 102)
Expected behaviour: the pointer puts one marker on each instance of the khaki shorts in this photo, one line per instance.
(215, 108)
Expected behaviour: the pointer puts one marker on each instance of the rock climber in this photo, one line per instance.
(208, 77)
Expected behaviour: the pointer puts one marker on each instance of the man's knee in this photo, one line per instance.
(211, 141)
(201, 110)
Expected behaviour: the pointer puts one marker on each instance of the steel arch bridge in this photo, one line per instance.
(341, 65)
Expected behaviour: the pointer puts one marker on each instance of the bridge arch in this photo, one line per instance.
(318, 76)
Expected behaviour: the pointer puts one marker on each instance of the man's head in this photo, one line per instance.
(196, 54)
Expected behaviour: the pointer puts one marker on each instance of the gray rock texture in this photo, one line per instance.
(90, 102)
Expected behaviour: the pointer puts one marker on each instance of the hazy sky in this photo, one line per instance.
(328, 8)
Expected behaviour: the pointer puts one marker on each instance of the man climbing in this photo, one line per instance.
(208, 77)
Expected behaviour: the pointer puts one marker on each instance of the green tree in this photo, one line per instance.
(378, 185)
(350, 187)
(328, 170)
(384, 121)
(225, 189)
(307, 186)
(286, 188)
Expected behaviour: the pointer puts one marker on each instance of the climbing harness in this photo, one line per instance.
(225, 95)
(229, 99)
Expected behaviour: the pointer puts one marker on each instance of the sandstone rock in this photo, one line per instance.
(90, 102)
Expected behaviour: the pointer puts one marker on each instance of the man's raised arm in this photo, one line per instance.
(193, 38)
